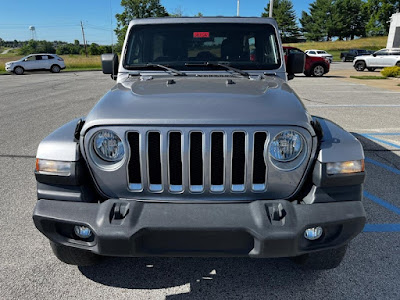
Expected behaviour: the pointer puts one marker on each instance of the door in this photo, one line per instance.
(44, 62)
(379, 59)
(29, 63)
(394, 57)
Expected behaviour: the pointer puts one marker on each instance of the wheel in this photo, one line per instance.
(398, 64)
(360, 66)
(371, 69)
(343, 58)
(19, 70)
(73, 256)
(55, 69)
(318, 70)
(322, 260)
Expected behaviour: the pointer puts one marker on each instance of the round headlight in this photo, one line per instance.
(286, 146)
(108, 146)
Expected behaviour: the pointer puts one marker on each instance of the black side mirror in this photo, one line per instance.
(295, 64)
(109, 64)
(374, 55)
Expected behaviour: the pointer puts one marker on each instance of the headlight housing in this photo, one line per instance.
(286, 146)
(108, 146)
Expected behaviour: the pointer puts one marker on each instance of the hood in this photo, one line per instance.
(200, 101)
(11, 62)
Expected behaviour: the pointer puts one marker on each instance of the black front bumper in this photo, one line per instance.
(257, 229)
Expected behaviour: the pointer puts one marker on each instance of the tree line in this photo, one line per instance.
(328, 19)
(56, 47)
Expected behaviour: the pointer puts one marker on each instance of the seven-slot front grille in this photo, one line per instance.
(197, 161)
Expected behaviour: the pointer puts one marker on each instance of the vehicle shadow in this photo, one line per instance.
(217, 278)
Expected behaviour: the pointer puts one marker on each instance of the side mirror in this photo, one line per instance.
(295, 64)
(109, 64)
(374, 55)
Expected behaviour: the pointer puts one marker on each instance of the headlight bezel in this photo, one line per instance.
(101, 160)
(291, 163)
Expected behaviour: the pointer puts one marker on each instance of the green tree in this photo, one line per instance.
(137, 9)
(351, 18)
(379, 12)
(322, 22)
(285, 16)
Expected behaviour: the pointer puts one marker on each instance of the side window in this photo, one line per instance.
(295, 51)
(395, 53)
(311, 52)
(38, 57)
(45, 57)
(381, 53)
(30, 58)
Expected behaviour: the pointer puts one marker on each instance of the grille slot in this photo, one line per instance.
(175, 161)
(238, 161)
(217, 161)
(200, 161)
(196, 161)
(259, 167)
(154, 161)
(135, 179)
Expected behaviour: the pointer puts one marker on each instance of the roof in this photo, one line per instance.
(194, 20)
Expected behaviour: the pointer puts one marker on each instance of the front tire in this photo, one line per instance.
(344, 59)
(360, 66)
(398, 64)
(322, 260)
(73, 256)
(318, 71)
(19, 70)
(55, 69)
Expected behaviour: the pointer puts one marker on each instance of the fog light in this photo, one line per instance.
(313, 233)
(83, 232)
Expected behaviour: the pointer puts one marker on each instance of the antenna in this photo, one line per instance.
(238, 8)
(33, 32)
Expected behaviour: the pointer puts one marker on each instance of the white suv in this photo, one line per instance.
(34, 62)
(380, 59)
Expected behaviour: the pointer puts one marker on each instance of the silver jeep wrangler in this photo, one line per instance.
(201, 149)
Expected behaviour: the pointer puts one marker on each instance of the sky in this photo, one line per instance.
(60, 20)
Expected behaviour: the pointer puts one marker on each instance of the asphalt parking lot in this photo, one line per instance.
(32, 106)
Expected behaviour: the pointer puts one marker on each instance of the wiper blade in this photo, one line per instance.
(227, 67)
(172, 70)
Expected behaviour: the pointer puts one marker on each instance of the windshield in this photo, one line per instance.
(243, 46)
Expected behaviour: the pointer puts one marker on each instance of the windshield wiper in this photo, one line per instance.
(172, 70)
(227, 67)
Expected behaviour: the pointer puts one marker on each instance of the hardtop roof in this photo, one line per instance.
(194, 20)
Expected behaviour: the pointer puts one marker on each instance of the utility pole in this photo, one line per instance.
(271, 7)
(84, 41)
(238, 8)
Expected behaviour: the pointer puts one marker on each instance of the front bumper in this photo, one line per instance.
(8, 68)
(257, 229)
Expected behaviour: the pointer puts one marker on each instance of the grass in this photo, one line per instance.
(335, 47)
(368, 77)
(72, 62)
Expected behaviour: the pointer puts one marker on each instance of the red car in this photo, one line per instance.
(315, 66)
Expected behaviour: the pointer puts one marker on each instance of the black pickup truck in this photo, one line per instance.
(349, 56)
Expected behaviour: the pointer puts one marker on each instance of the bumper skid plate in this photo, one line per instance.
(263, 228)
